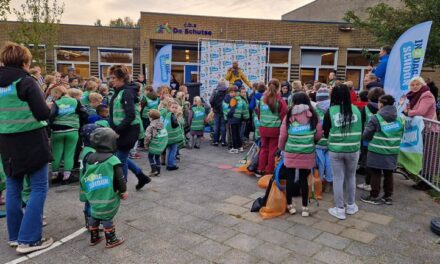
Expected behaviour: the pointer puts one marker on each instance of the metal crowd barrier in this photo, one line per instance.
(431, 154)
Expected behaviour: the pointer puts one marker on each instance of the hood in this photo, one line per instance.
(374, 107)
(389, 113)
(10, 74)
(300, 113)
(222, 87)
(157, 124)
(103, 139)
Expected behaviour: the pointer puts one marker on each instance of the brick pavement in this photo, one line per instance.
(200, 214)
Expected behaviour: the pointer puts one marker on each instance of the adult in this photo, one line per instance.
(235, 75)
(432, 87)
(381, 69)
(332, 78)
(124, 118)
(216, 102)
(141, 79)
(24, 148)
(71, 72)
(271, 111)
(286, 91)
(343, 128)
(371, 81)
(36, 73)
(174, 84)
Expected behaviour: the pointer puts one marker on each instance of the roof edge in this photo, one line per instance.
(298, 8)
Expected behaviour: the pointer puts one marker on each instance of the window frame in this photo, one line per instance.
(111, 63)
(56, 61)
(270, 66)
(360, 68)
(317, 68)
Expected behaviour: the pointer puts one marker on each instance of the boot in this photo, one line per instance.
(142, 180)
(95, 238)
(57, 177)
(153, 171)
(158, 170)
(111, 239)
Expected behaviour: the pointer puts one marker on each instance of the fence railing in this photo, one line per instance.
(430, 173)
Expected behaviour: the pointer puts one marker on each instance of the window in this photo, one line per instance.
(317, 63)
(76, 57)
(358, 61)
(279, 63)
(113, 56)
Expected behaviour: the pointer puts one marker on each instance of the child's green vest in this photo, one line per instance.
(267, 117)
(198, 118)
(159, 142)
(301, 139)
(387, 140)
(348, 141)
(150, 105)
(67, 115)
(323, 141)
(82, 191)
(175, 135)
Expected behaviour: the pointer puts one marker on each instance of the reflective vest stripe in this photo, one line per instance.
(301, 145)
(21, 121)
(387, 139)
(345, 135)
(106, 212)
(384, 147)
(13, 109)
(346, 144)
(102, 201)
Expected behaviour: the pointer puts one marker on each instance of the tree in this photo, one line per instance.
(39, 22)
(386, 23)
(98, 23)
(4, 9)
(123, 22)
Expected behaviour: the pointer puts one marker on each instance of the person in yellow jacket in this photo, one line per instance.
(235, 74)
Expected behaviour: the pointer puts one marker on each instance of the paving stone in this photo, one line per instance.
(278, 223)
(302, 220)
(271, 252)
(238, 200)
(237, 257)
(332, 241)
(304, 247)
(331, 256)
(244, 242)
(231, 209)
(304, 231)
(324, 215)
(256, 195)
(354, 223)
(377, 218)
(329, 227)
(296, 258)
(248, 228)
(253, 217)
(364, 250)
(219, 233)
(186, 239)
(275, 236)
(170, 256)
(358, 235)
(226, 220)
(210, 250)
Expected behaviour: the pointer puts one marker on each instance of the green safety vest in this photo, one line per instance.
(323, 141)
(98, 185)
(368, 115)
(159, 142)
(102, 123)
(175, 135)
(163, 113)
(85, 98)
(301, 139)
(198, 118)
(238, 113)
(15, 114)
(345, 142)
(256, 125)
(119, 114)
(387, 140)
(246, 114)
(86, 150)
(150, 105)
(66, 115)
(267, 118)
(225, 107)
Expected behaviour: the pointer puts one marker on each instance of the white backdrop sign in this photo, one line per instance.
(216, 58)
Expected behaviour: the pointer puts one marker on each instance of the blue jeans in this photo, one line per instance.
(172, 151)
(154, 159)
(133, 167)
(219, 127)
(123, 157)
(26, 228)
(324, 165)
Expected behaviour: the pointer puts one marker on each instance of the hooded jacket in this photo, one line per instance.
(301, 114)
(152, 130)
(26, 152)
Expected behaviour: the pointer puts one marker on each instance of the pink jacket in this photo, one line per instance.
(299, 161)
(425, 108)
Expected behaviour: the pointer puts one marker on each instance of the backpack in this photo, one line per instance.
(217, 101)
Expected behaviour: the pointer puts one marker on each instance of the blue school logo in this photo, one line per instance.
(265, 107)
(227, 64)
(253, 51)
(252, 77)
(240, 57)
(97, 181)
(297, 128)
(227, 50)
(213, 69)
(391, 127)
(5, 91)
(198, 114)
(213, 82)
(64, 109)
(214, 55)
(410, 137)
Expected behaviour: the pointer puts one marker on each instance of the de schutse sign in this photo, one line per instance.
(186, 29)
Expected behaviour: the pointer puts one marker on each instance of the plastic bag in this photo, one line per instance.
(316, 180)
(276, 202)
(263, 182)
(258, 203)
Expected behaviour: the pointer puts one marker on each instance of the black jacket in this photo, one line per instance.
(26, 152)
(128, 134)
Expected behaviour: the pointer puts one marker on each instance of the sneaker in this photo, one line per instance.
(28, 248)
(337, 212)
(305, 212)
(291, 209)
(352, 209)
(387, 200)
(371, 200)
(233, 151)
(135, 156)
(215, 144)
(240, 149)
(364, 186)
(13, 244)
(224, 145)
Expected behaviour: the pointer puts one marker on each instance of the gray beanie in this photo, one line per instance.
(103, 140)
(322, 94)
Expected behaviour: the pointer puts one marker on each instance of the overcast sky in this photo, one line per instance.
(88, 11)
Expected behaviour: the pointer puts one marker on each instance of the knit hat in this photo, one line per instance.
(322, 94)
(85, 133)
(103, 140)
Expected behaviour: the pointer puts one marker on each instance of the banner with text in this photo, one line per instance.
(216, 58)
(406, 59)
(411, 147)
(162, 67)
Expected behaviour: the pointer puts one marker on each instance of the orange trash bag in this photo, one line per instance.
(276, 202)
(316, 180)
(263, 182)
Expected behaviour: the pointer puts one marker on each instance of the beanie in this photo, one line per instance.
(322, 94)
(103, 140)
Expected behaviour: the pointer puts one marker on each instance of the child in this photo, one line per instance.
(363, 100)
(104, 91)
(85, 133)
(322, 155)
(102, 112)
(236, 109)
(246, 115)
(104, 186)
(91, 87)
(384, 132)
(95, 100)
(75, 93)
(298, 133)
(156, 139)
(197, 121)
(64, 122)
(210, 120)
(149, 102)
(173, 124)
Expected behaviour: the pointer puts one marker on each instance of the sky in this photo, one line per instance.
(86, 12)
